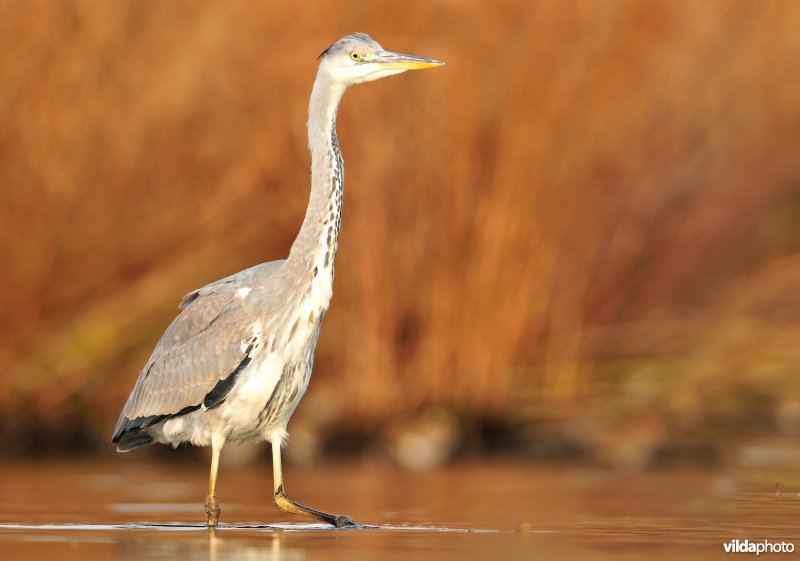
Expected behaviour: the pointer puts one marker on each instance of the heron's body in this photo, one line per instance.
(236, 361)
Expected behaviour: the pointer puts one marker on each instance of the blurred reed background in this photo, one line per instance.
(579, 238)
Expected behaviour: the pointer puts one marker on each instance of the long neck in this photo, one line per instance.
(314, 249)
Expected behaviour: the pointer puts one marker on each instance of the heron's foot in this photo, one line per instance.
(343, 521)
(284, 503)
(212, 511)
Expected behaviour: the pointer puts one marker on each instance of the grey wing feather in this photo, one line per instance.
(204, 344)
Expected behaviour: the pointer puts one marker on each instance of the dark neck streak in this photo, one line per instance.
(314, 250)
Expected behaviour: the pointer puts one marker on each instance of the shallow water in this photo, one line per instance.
(124, 509)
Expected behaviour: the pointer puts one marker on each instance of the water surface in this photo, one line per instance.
(125, 509)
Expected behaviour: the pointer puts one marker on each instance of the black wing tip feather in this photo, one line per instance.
(130, 440)
(132, 433)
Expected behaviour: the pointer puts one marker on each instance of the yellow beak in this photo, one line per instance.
(398, 61)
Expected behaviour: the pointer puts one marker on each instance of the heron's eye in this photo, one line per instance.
(355, 55)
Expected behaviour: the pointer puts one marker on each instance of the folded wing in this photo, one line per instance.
(197, 359)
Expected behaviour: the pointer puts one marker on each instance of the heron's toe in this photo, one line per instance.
(343, 521)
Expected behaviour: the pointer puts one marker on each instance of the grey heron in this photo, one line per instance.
(235, 362)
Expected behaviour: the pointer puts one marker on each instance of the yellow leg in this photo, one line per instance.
(212, 505)
(287, 505)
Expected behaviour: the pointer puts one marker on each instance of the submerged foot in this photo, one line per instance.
(343, 521)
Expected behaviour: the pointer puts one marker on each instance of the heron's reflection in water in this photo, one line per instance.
(217, 545)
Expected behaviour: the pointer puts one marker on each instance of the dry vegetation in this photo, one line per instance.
(584, 229)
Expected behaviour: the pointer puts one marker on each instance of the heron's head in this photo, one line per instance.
(359, 58)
